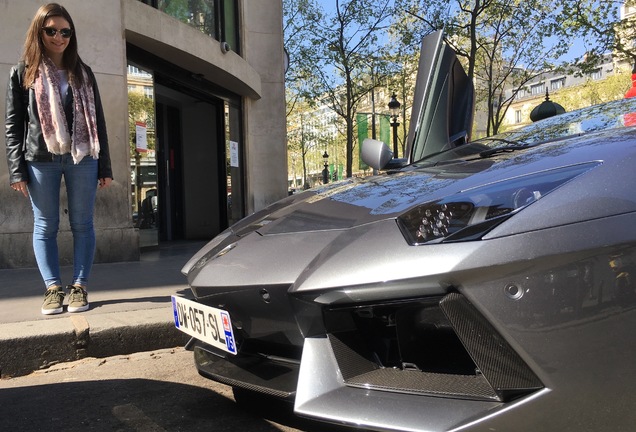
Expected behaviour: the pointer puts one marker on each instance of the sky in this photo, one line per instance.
(577, 49)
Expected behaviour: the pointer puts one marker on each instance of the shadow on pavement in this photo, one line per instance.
(139, 405)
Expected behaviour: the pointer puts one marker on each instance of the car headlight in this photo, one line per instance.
(470, 214)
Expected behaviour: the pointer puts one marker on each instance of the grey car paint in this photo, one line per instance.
(546, 291)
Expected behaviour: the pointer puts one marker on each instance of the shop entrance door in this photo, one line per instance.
(186, 153)
(190, 166)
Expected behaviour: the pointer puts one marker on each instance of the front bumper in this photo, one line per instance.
(520, 330)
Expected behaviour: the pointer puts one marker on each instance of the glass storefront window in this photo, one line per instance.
(230, 31)
(143, 169)
(216, 18)
(200, 14)
(234, 160)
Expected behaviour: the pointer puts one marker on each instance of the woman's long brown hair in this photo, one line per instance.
(34, 47)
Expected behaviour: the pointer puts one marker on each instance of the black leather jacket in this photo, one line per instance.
(24, 139)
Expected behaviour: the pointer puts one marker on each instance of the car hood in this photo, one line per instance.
(306, 240)
(357, 202)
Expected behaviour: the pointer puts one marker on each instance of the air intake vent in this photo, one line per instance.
(439, 347)
(502, 367)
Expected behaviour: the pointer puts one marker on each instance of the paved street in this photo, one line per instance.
(151, 391)
(155, 389)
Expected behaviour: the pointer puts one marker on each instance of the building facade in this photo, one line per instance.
(608, 81)
(195, 109)
(575, 91)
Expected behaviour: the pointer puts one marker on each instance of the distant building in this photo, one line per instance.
(555, 85)
(613, 66)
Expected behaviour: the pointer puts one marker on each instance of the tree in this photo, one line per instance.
(294, 38)
(142, 109)
(601, 29)
(303, 137)
(336, 50)
(300, 140)
(503, 43)
(506, 55)
(405, 60)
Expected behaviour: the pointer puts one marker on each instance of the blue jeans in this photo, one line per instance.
(44, 190)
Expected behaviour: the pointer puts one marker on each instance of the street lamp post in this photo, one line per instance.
(394, 108)
(325, 171)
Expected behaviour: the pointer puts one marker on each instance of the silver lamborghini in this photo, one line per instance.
(472, 286)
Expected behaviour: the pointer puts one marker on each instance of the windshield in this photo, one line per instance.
(611, 115)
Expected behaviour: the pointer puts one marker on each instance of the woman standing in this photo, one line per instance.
(55, 128)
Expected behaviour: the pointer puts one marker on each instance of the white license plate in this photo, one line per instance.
(208, 324)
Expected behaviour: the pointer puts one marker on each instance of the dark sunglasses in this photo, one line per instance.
(51, 32)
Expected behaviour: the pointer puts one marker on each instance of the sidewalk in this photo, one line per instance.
(130, 311)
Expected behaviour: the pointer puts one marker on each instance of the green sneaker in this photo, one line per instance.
(77, 299)
(53, 300)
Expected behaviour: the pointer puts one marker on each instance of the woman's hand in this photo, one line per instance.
(20, 187)
(104, 182)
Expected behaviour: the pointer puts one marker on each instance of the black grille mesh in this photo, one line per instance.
(357, 371)
(409, 381)
(500, 365)
(351, 362)
(499, 372)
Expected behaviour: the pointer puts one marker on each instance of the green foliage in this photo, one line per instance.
(593, 92)
(504, 43)
(175, 8)
(597, 25)
(338, 55)
(140, 108)
(197, 13)
(336, 58)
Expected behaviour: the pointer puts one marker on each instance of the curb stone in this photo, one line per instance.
(26, 347)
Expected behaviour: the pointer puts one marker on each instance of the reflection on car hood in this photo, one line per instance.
(359, 201)
(356, 202)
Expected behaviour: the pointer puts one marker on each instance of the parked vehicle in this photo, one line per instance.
(474, 285)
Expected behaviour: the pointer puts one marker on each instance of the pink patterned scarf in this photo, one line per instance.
(83, 141)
